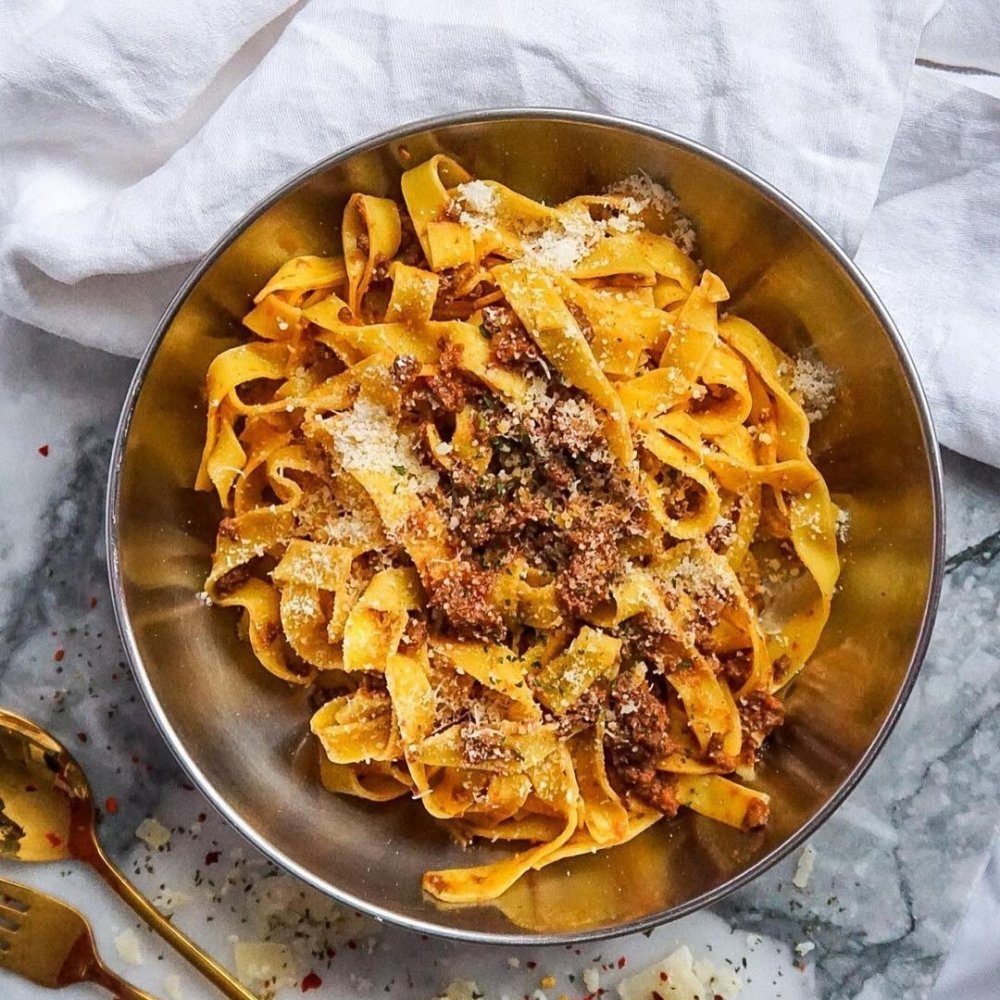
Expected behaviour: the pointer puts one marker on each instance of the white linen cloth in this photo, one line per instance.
(133, 133)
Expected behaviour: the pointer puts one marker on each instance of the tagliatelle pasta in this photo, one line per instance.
(536, 524)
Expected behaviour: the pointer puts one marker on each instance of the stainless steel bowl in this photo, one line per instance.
(240, 733)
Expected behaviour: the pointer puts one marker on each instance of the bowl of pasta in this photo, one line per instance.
(525, 526)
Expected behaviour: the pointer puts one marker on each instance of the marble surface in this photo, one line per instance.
(894, 867)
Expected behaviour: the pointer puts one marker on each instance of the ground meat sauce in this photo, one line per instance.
(410, 251)
(637, 735)
(760, 714)
(449, 304)
(553, 498)
(510, 343)
(735, 668)
(648, 640)
(596, 562)
(463, 597)
(585, 711)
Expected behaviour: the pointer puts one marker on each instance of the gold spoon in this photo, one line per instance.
(47, 814)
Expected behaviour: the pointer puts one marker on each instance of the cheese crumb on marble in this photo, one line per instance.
(592, 979)
(804, 947)
(461, 989)
(264, 965)
(679, 977)
(153, 834)
(804, 869)
(129, 948)
(170, 901)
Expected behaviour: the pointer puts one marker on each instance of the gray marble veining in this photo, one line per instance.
(894, 866)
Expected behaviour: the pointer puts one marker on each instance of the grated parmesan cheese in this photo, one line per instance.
(679, 977)
(843, 525)
(560, 247)
(477, 201)
(804, 869)
(644, 193)
(592, 979)
(816, 383)
(367, 439)
(153, 834)
(804, 947)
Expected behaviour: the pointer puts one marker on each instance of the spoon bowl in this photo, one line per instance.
(46, 806)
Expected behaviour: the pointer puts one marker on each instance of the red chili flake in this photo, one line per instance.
(202, 817)
(111, 805)
(212, 858)
(44, 451)
(352, 944)
(135, 760)
(656, 995)
(311, 982)
(54, 839)
(331, 952)
(59, 655)
(93, 602)
(31, 788)
(82, 737)
(663, 977)
(621, 962)
(185, 786)
(531, 964)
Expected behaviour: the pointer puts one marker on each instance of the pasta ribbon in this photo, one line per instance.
(537, 528)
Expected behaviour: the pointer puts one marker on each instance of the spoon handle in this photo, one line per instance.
(220, 977)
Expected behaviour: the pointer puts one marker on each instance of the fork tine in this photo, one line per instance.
(12, 892)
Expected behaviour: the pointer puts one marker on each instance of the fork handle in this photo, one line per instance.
(216, 974)
(113, 983)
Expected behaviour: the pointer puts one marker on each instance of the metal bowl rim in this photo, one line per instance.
(384, 912)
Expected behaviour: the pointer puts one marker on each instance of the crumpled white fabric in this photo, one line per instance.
(133, 133)
(932, 252)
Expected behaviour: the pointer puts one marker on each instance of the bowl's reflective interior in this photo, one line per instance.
(246, 732)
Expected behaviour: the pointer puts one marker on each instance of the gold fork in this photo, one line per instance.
(49, 943)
